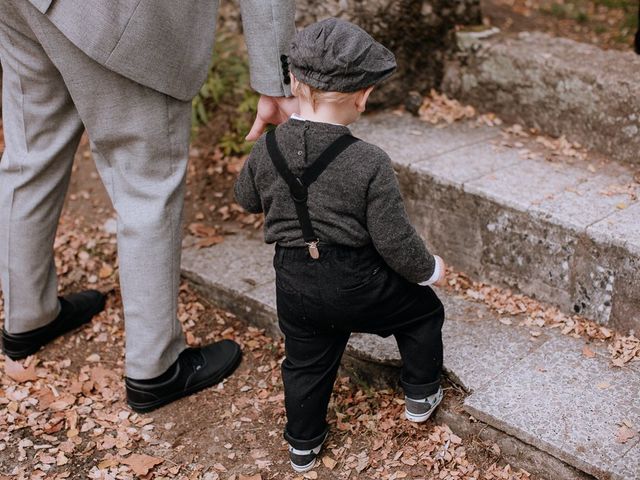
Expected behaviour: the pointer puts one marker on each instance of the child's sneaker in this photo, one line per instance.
(419, 410)
(303, 460)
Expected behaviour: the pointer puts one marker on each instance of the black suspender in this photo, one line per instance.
(299, 186)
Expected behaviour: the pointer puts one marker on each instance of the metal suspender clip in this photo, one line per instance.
(313, 249)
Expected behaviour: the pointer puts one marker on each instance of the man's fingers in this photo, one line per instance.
(287, 106)
(271, 110)
(258, 127)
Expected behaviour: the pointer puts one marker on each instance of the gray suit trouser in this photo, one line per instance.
(139, 138)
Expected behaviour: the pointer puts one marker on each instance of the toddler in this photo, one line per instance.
(347, 259)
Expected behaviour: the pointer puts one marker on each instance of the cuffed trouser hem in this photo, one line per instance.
(306, 444)
(420, 391)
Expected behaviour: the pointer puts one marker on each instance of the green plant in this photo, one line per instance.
(624, 4)
(557, 10)
(227, 87)
(233, 142)
(582, 17)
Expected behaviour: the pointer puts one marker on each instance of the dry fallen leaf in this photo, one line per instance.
(236, 164)
(106, 271)
(624, 434)
(210, 241)
(259, 453)
(201, 230)
(108, 463)
(438, 108)
(257, 476)
(141, 463)
(20, 374)
(408, 460)
(587, 352)
(93, 358)
(329, 462)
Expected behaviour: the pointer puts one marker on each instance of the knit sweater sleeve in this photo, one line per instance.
(391, 231)
(245, 189)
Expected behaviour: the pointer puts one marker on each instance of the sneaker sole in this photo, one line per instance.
(31, 349)
(303, 468)
(206, 383)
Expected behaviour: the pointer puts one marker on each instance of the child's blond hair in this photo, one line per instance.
(314, 95)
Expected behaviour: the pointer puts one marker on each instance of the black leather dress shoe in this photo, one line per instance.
(194, 370)
(75, 310)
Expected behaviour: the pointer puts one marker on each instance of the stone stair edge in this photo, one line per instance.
(552, 83)
(577, 172)
(512, 449)
(456, 171)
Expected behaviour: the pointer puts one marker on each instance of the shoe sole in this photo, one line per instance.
(21, 354)
(423, 417)
(303, 468)
(30, 350)
(206, 383)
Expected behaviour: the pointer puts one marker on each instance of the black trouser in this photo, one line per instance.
(321, 302)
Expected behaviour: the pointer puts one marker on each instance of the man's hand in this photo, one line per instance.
(272, 111)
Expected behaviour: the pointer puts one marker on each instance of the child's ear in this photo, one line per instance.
(294, 84)
(361, 99)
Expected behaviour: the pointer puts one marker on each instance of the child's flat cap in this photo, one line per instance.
(338, 56)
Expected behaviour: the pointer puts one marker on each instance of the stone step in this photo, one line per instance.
(565, 230)
(568, 405)
(551, 410)
(557, 85)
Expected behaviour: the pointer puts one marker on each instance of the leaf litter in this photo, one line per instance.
(63, 413)
(440, 111)
(526, 311)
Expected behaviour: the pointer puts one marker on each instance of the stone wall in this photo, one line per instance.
(419, 32)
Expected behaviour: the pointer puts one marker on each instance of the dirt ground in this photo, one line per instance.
(609, 24)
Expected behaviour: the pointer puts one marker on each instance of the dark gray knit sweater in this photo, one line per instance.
(355, 202)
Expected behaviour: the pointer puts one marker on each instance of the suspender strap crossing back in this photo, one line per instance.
(299, 186)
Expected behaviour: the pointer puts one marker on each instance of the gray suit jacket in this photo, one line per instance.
(166, 44)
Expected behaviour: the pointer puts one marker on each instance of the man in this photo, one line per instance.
(126, 71)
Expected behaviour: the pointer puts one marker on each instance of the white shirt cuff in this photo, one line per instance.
(437, 271)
